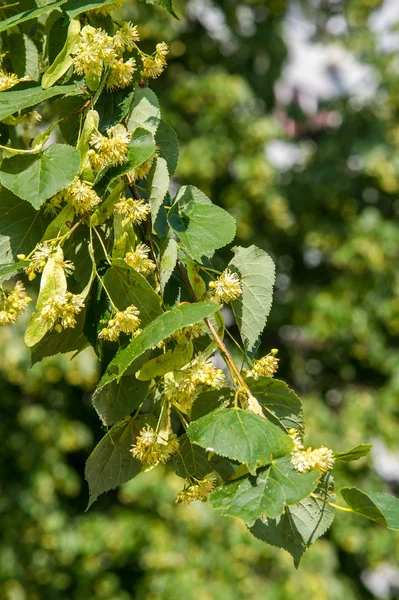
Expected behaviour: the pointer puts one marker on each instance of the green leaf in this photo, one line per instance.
(69, 340)
(11, 102)
(21, 226)
(201, 228)
(167, 262)
(157, 186)
(171, 360)
(265, 495)
(36, 178)
(113, 402)
(73, 8)
(141, 147)
(381, 508)
(58, 226)
(24, 56)
(210, 401)
(158, 330)
(111, 463)
(280, 404)
(113, 107)
(282, 533)
(353, 454)
(168, 145)
(191, 460)
(240, 435)
(53, 281)
(144, 112)
(126, 286)
(257, 273)
(64, 59)
(8, 270)
(27, 15)
(165, 3)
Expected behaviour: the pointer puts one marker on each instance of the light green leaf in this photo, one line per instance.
(191, 460)
(36, 178)
(11, 102)
(64, 59)
(111, 463)
(240, 435)
(69, 340)
(58, 226)
(381, 508)
(168, 145)
(171, 360)
(157, 186)
(144, 111)
(21, 226)
(73, 8)
(124, 238)
(267, 494)
(167, 262)
(280, 404)
(126, 286)
(257, 273)
(53, 281)
(113, 402)
(27, 15)
(10, 269)
(24, 56)
(201, 228)
(158, 330)
(353, 454)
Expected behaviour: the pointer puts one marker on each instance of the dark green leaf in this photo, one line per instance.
(27, 15)
(240, 435)
(113, 107)
(167, 262)
(282, 533)
(381, 508)
(212, 400)
(24, 56)
(8, 270)
(157, 186)
(191, 460)
(168, 145)
(257, 273)
(73, 8)
(267, 494)
(11, 102)
(280, 404)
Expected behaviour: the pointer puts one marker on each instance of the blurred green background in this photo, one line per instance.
(287, 114)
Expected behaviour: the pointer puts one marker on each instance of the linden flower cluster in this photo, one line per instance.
(139, 260)
(180, 388)
(154, 65)
(142, 171)
(197, 491)
(80, 195)
(227, 287)
(303, 460)
(60, 311)
(109, 150)
(265, 367)
(39, 259)
(13, 303)
(149, 451)
(30, 119)
(124, 321)
(7, 80)
(134, 211)
(103, 11)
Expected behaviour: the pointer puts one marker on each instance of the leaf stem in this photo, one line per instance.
(337, 506)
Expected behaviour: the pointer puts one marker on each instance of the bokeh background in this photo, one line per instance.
(287, 114)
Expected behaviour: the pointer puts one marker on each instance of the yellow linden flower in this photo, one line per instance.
(134, 211)
(296, 438)
(265, 367)
(139, 260)
(320, 458)
(110, 150)
(93, 51)
(60, 310)
(125, 38)
(13, 303)
(227, 287)
(124, 321)
(7, 80)
(81, 195)
(39, 259)
(153, 66)
(120, 74)
(150, 451)
(197, 491)
(142, 171)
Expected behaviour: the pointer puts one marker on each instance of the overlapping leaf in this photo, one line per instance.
(280, 404)
(381, 508)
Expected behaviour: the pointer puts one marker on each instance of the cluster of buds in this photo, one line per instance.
(200, 490)
(139, 260)
(7, 80)
(80, 195)
(265, 367)
(39, 258)
(110, 150)
(13, 303)
(59, 312)
(181, 387)
(303, 460)
(227, 287)
(124, 321)
(134, 211)
(150, 451)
